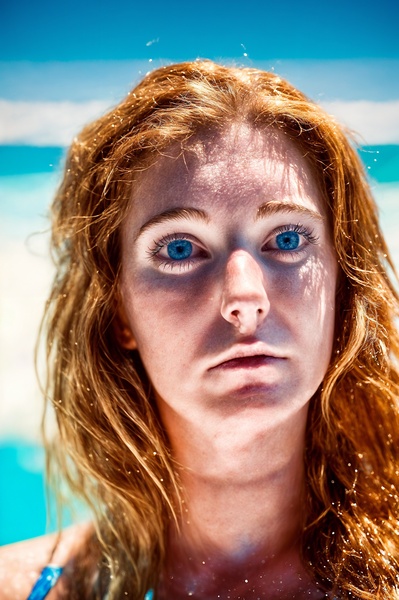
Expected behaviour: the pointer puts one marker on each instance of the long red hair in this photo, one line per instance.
(110, 445)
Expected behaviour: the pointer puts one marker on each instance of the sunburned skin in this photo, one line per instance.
(228, 294)
(21, 564)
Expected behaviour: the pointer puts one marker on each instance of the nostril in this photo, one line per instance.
(259, 311)
(235, 313)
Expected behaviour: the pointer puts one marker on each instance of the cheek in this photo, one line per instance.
(316, 282)
(166, 315)
(319, 295)
(305, 301)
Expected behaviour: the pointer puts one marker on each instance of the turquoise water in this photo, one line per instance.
(23, 496)
(22, 508)
(381, 161)
(18, 160)
(28, 177)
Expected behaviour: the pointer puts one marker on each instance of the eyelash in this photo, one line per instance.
(305, 232)
(163, 262)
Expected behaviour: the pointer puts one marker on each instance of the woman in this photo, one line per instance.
(222, 351)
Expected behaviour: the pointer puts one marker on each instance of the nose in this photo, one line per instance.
(245, 303)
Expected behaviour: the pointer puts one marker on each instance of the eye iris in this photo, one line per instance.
(289, 240)
(180, 249)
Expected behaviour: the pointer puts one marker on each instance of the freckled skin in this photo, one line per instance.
(22, 563)
(176, 317)
(236, 340)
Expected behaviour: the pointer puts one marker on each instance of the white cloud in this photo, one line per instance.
(56, 123)
(373, 122)
(46, 123)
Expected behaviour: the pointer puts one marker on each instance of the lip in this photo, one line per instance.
(247, 358)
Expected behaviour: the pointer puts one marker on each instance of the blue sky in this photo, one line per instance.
(65, 63)
(90, 30)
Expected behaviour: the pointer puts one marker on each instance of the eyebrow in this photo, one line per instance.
(174, 214)
(264, 210)
(274, 206)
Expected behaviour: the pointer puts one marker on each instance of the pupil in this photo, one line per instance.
(180, 249)
(288, 240)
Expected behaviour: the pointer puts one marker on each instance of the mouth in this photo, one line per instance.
(245, 360)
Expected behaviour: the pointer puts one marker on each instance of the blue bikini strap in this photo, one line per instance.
(47, 580)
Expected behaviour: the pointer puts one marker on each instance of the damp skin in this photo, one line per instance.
(241, 222)
(228, 294)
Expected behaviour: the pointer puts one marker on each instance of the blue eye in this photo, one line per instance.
(288, 240)
(179, 249)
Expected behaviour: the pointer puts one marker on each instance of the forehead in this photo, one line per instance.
(233, 167)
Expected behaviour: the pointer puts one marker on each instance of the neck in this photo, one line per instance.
(242, 508)
(231, 517)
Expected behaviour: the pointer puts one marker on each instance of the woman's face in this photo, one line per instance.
(228, 279)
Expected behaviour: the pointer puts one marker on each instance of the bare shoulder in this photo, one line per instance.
(22, 563)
